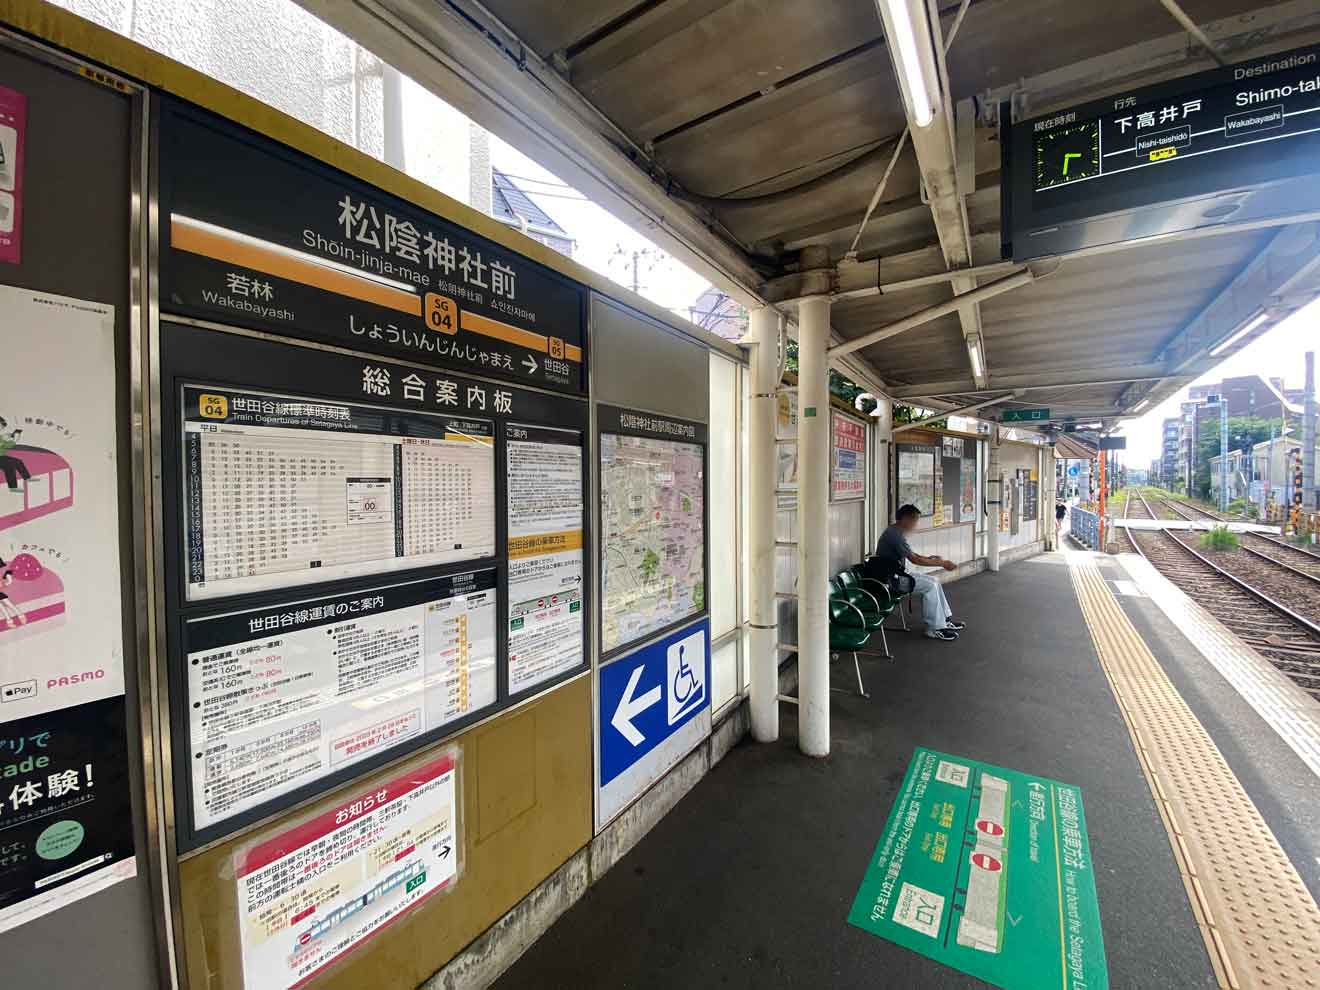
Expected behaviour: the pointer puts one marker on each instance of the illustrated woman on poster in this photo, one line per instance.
(9, 613)
(11, 467)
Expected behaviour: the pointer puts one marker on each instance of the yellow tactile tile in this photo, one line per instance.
(1260, 924)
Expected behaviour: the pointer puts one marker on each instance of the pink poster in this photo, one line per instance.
(13, 125)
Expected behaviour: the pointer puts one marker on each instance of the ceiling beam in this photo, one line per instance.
(1078, 378)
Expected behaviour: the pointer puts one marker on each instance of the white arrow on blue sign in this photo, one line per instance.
(649, 695)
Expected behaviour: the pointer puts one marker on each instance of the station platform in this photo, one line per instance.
(1205, 878)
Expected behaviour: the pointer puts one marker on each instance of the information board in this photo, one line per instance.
(653, 525)
(257, 235)
(848, 460)
(281, 696)
(1226, 130)
(989, 871)
(313, 893)
(916, 477)
(545, 554)
(283, 490)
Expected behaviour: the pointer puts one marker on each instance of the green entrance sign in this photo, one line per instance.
(988, 871)
(1025, 415)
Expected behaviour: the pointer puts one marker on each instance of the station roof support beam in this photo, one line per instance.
(917, 424)
(957, 304)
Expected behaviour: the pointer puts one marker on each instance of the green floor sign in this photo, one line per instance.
(988, 871)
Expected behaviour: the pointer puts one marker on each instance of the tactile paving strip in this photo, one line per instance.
(1260, 924)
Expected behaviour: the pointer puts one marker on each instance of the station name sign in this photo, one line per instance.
(255, 234)
(1224, 130)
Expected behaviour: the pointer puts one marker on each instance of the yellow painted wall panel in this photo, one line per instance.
(527, 774)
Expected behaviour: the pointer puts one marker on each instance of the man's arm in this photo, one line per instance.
(922, 561)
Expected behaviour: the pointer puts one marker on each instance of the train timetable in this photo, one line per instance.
(283, 491)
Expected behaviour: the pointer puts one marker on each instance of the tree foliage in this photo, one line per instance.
(1244, 432)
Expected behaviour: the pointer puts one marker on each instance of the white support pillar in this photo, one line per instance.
(994, 500)
(813, 636)
(763, 639)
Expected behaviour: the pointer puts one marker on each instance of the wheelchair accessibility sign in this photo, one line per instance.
(648, 697)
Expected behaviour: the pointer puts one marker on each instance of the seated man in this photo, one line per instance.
(892, 554)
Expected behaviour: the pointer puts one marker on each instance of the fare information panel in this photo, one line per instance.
(545, 554)
(282, 696)
(1193, 125)
(284, 490)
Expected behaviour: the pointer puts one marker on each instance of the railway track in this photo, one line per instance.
(1285, 637)
(1283, 553)
(1137, 508)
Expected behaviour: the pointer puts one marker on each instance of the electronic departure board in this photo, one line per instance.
(1237, 143)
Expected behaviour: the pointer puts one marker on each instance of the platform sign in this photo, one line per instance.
(258, 235)
(654, 707)
(988, 871)
(1026, 415)
(1203, 135)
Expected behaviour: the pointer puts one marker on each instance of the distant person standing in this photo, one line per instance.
(892, 555)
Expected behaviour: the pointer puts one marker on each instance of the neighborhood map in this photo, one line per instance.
(653, 522)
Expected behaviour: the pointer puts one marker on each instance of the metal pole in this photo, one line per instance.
(763, 640)
(1100, 515)
(1308, 436)
(994, 500)
(813, 636)
(1223, 454)
(392, 113)
(1269, 475)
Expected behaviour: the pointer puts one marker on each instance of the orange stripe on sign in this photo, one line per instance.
(487, 327)
(573, 353)
(270, 261)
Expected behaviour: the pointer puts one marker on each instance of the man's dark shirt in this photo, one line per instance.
(892, 552)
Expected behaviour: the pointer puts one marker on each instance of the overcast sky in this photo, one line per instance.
(1278, 353)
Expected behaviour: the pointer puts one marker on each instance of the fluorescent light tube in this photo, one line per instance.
(1238, 334)
(913, 57)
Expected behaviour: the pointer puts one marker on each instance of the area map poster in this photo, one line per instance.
(989, 871)
(283, 696)
(546, 617)
(653, 520)
(283, 490)
(66, 826)
(916, 477)
(311, 894)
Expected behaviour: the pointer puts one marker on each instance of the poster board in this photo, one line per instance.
(958, 479)
(653, 524)
(316, 891)
(916, 476)
(847, 457)
(66, 826)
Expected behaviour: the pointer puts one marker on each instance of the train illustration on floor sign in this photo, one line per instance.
(982, 924)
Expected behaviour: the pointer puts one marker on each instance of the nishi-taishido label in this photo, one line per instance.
(989, 871)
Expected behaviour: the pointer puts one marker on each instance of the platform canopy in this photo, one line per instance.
(742, 133)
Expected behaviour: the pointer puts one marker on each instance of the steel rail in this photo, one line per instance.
(1259, 595)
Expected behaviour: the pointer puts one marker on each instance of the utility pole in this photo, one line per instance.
(1308, 436)
(635, 259)
(1223, 454)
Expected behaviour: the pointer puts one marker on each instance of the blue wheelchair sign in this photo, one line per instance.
(648, 696)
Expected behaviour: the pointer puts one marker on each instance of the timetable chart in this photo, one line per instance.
(283, 490)
(285, 695)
